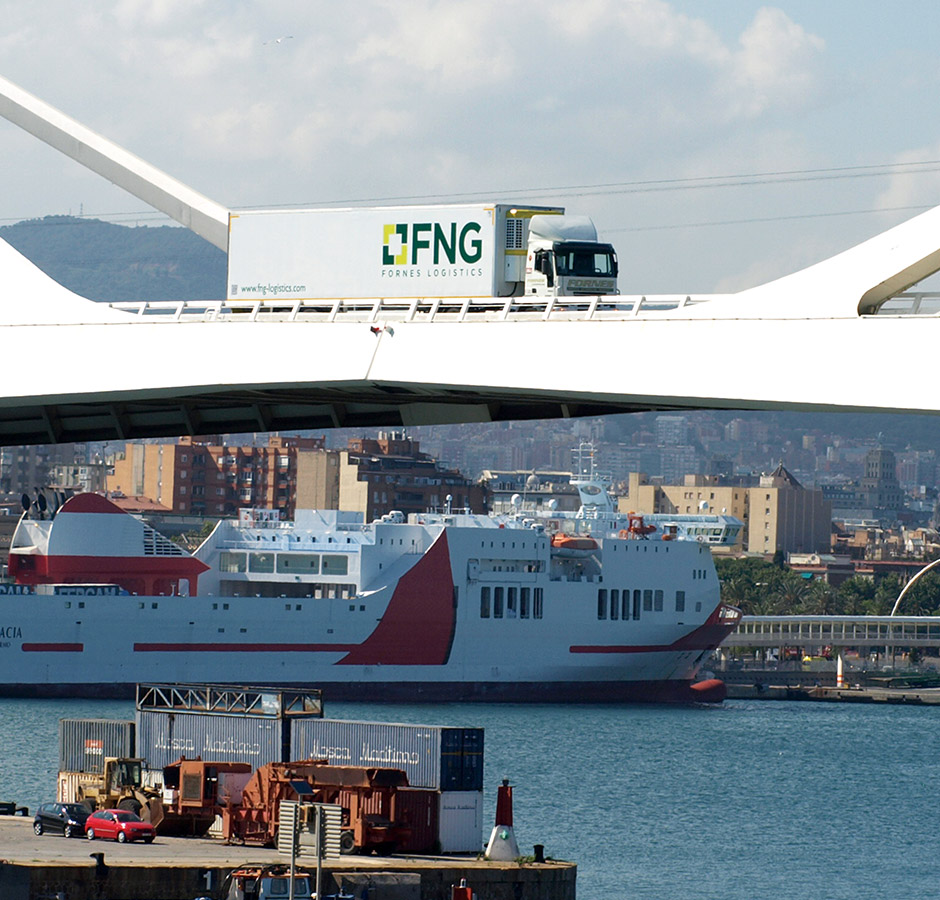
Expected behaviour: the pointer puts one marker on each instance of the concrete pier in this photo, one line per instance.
(53, 868)
(922, 696)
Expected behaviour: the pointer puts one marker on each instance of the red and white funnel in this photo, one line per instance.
(502, 845)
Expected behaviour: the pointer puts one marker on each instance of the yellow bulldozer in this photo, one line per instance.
(119, 786)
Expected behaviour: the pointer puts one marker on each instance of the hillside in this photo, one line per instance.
(103, 261)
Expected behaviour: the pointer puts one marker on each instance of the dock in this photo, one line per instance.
(55, 868)
(830, 694)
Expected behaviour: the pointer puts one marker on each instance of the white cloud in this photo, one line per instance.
(774, 65)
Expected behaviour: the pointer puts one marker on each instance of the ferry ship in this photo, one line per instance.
(589, 606)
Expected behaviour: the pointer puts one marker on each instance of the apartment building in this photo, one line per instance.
(778, 512)
(197, 477)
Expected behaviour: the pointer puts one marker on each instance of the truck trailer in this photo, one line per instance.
(477, 250)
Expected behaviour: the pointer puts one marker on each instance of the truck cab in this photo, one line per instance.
(564, 258)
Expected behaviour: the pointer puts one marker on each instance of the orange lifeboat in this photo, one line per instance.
(573, 545)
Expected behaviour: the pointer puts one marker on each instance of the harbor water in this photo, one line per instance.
(740, 801)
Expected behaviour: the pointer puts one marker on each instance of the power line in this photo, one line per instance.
(848, 212)
(784, 176)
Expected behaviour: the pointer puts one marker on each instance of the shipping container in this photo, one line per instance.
(85, 743)
(460, 826)
(416, 749)
(162, 738)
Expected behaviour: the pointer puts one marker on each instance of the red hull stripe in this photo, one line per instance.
(243, 648)
(53, 648)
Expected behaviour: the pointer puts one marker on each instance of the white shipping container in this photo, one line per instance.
(461, 821)
(405, 251)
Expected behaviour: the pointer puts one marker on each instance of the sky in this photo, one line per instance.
(716, 143)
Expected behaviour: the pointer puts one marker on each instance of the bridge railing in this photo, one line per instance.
(387, 310)
(851, 631)
(423, 309)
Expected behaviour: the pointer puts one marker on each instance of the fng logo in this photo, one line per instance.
(441, 241)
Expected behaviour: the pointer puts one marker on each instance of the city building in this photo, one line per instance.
(375, 476)
(535, 490)
(778, 512)
(195, 477)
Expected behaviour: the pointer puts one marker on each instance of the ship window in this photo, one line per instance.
(680, 601)
(698, 606)
(263, 563)
(231, 562)
(511, 602)
(335, 565)
(484, 603)
(614, 605)
(537, 603)
(154, 605)
(625, 606)
(524, 603)
(636, 604)
(298, 563)
(647, 601)
(602, 603)
(497, 603)
(224, 606)
(658, 601)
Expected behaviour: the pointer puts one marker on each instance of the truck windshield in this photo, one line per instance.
(586, 260)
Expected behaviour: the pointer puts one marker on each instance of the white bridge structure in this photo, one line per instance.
(73, 369)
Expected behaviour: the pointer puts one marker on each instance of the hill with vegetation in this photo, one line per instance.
(104, 261)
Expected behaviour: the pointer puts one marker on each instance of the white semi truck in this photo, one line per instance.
(480, 250)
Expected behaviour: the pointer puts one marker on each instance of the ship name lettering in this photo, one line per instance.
(10, 632)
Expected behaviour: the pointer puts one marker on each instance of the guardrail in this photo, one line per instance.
(386, 310)
(389, 310)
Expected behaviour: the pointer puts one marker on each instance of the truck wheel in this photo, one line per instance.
(90, 834)
(131, 805)
(347, 842)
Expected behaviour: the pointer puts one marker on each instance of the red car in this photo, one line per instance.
(118, 825)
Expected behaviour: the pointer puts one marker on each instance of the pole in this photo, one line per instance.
(319, 809)
(293, 852)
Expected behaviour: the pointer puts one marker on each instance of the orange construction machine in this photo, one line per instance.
(366, 795)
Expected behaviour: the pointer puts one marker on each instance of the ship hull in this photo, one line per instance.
(426, 611)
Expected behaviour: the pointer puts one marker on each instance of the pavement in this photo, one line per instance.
(19, 845)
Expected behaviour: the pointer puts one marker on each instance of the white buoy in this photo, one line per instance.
(502, 846)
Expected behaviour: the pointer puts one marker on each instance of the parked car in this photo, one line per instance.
(118, 825)
(61, 818)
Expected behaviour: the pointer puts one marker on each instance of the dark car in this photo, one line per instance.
(61, 818)
(118, 825)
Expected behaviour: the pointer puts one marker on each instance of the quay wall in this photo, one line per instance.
(429, 880)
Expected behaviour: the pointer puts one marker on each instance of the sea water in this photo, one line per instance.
(749, 799)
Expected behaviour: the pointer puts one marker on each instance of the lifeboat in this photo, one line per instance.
(572, 545)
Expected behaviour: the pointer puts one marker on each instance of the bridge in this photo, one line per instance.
(836, 631)
(75, 370)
